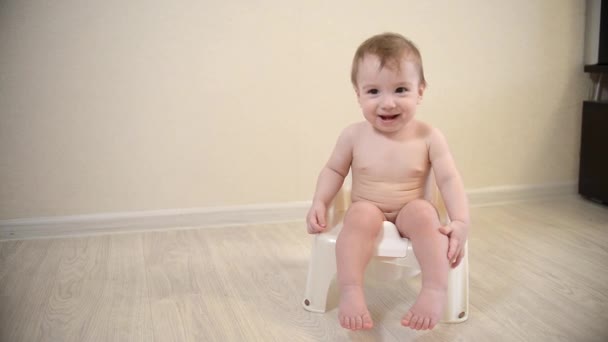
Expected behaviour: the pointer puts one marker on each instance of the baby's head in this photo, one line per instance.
(390, 48)
(389, 82)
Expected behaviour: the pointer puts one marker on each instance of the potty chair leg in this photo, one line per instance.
(321, 271)
(457, 306)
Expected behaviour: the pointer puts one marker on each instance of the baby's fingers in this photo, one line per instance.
(453, 249)
(321, 219)
(445, 230)
(458, 258)
(309, 228)
(311, 225)
(314, 226)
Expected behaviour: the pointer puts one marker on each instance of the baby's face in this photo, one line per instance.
(389, 96)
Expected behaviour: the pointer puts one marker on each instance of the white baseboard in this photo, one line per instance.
(151, 220)
(505, 194)
(228, 216)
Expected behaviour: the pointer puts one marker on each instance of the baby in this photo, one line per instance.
(390, 155)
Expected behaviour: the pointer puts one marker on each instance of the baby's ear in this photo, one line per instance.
(421, 89)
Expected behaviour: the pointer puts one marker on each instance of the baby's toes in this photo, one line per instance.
(350, 322)
(407, 319)
(355, 323)
(367, 322)
(419, 323)
(425, 323)
(432, 323)
(344, 322)
(414, 322)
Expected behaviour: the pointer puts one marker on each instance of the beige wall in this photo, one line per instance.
(110, 106)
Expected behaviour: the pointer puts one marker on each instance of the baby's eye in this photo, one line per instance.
(401, 90)
(373, 91)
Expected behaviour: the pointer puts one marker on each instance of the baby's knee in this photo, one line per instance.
(420, 211)
(364, 214)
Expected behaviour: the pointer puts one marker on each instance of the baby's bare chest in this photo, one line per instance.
(392, 161)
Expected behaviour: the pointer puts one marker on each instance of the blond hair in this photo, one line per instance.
(390, 48)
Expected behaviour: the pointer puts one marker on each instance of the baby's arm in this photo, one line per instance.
(452, 190)
(330, 180)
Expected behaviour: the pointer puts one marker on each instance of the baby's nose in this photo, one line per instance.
(388, 102)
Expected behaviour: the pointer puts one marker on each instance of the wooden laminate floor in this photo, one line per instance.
(538, 272)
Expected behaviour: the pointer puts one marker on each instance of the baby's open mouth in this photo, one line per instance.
(388, 117)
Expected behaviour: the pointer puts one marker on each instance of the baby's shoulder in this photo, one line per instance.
(354, 130)
(424, 130)
(430, 134)
(356, 126)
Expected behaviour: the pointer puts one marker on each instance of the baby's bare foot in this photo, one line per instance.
(426, 311)
(353, 313)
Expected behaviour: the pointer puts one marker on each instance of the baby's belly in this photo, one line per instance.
(388, 197)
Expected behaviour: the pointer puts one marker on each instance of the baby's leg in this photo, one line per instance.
(419, 222)
(354, 249)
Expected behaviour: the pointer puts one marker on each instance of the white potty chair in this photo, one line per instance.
(390, 248)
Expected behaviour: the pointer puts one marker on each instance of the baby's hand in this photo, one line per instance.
(457, 234)
(315, 219)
